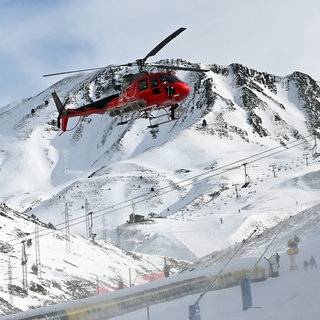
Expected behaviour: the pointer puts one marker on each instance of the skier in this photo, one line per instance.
(312, 262)
(166, 271)
(278, 259)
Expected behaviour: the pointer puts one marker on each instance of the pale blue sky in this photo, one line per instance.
(44, 36)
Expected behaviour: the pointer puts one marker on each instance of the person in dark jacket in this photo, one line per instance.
(312, 263)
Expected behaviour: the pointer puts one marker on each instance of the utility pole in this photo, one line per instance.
(67, 227)
(90, 223)
(130, 281)
(315, 154)
(235, 185)
(10, 280)
(104, 231)
(37, 247)
(98, 285)
(246, 176)
(24, 260)
(133, 213)
(118, 237)
(306, 157)
(86, 210)
(273, 169)
(148, 311)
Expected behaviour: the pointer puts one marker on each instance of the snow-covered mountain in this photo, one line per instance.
(174, 170)
(42, 265)
(252, 165)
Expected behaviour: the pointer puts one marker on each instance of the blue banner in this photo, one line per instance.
(194, 312)
(246, 294)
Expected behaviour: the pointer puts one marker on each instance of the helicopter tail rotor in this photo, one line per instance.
(61, 109)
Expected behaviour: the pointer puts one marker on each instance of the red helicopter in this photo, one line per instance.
(142, 92)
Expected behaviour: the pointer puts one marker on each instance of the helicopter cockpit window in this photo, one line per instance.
(143, 84)
(167, 78)
(153, 82)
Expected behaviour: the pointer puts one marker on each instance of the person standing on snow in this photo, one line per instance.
(278, 259)
(312, 263)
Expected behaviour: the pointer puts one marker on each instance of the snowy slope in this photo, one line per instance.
(189, 174)
(293, 295)
(62, 266)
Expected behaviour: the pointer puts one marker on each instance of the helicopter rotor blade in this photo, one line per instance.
(164, 42)
(139, 62)
(163, 66)
(74, 71)
(91, 69)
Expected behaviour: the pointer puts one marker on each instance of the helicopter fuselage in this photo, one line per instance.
(154, 90)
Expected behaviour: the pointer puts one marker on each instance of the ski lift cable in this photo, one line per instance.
(268, 246)
(190, 181)
(164, 190)
(222, 269)
(125, 204)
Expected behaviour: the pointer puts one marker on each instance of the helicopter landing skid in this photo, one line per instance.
(178, 113)
(152, 126)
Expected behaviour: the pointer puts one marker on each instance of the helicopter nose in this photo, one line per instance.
(183, 90)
